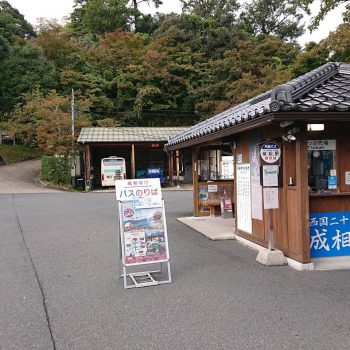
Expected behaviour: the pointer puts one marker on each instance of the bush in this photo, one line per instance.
(56, 169)
(18, 153)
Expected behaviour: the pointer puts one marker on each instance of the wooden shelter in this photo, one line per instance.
(291, 148)
(141, 147)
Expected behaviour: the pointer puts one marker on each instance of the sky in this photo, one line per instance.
(34, 9)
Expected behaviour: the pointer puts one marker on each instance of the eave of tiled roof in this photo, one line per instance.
(324, 89)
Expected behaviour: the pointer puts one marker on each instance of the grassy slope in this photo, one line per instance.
(18, 153)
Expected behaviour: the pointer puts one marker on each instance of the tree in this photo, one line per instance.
(221, 11)
(45, 121)
(100, 16)
(23, 70)
(12, 23)
(325, 7)
(273, 17)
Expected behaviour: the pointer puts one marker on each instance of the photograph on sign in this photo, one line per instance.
(270, 152)
(270, 175)
(144, 193)
(143, 235)
(271, 198)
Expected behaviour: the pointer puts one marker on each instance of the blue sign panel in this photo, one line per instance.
(329, 234)
(332, 182)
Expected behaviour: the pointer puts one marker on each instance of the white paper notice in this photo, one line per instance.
(347, 178)
(244, 209)
(271, 198)
(212, 188)
(270, 175)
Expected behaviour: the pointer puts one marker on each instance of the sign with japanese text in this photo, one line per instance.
(270, 152)
(144, 236)
(321, 145)
(244, 208)
(144, 193)
(271, 198)
(332, 182)
(329, 234)
(270, 175)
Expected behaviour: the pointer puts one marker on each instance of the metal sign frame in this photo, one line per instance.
(141, 278)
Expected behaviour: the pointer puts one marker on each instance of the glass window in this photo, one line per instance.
(322, 166)
(113, 161)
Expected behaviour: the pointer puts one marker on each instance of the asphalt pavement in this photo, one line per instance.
(59, 286)
(22, 178)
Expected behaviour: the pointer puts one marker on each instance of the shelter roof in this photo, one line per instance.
(325, 89)
(127, 134)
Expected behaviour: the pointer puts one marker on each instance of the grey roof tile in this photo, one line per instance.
(131, 134)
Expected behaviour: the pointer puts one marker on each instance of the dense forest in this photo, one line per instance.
(127, 68)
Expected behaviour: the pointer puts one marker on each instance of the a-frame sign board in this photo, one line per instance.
(143, 238)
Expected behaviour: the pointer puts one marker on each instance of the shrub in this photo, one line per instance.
(56, 169)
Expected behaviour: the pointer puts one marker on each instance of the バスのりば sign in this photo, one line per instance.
(144, 193)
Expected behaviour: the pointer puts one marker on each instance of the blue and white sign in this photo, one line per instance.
(329, 234)
(270, 152)
(332, 182)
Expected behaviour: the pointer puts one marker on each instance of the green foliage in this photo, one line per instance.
(273, 17)
(22, 70)
(56, 169)
(325, 7)
(18, 153)
(221, 11)
(13, 24)
(45, 122)
(101, 16)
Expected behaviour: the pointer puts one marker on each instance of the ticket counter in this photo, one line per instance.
(213, 180)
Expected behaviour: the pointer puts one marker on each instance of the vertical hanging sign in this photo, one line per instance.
(244, 209)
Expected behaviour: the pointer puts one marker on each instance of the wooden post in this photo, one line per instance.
(133, 173)
(302, 181)
(171, 166)
(87, 165)
(195, 153)
(177, 168)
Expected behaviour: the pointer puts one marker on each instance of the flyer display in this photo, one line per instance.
(143, 234)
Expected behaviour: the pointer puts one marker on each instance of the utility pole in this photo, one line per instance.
(73, 164)
(72, 119)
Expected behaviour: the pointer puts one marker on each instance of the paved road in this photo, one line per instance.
(59, 286)
(22, 178)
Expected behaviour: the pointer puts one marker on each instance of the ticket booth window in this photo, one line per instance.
(322, 165)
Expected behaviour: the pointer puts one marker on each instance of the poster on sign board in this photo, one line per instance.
(144, 235)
